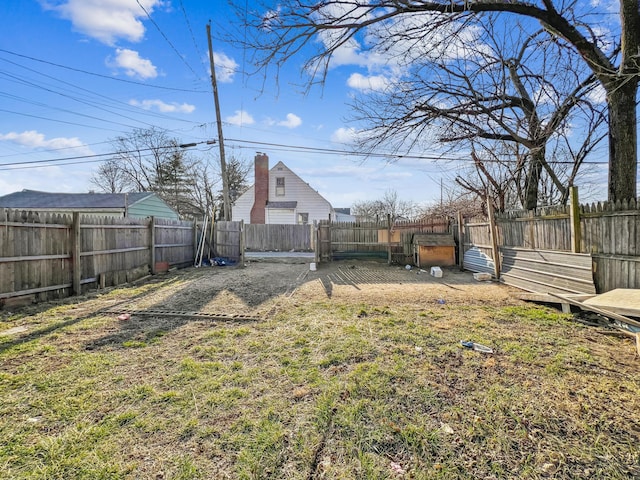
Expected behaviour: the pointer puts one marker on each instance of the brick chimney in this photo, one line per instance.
(261, 188)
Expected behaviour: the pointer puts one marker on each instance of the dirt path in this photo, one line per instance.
(257, 288)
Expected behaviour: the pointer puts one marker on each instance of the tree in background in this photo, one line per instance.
(150, 160)
(389, 204)
(402, 31)
(454, 201)
(525, 92)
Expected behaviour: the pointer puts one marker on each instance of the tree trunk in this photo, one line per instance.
(532, 182)
(622, 141)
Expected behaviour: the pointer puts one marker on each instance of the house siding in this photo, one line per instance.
(151, 206)
(242, 208)
(280, 216)
(295, 190)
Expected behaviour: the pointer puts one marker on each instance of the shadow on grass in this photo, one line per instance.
(351, 274)
(183, 304)
(43, 308)
(36, 334)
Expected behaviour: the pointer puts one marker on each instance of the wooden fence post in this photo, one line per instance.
(317, 240)
(75, 254)
(494, 239)
(152, 244)
(195, 239)
(460, 240)
(574, 215)
(388, 239)
(242, 243)
(532, 229)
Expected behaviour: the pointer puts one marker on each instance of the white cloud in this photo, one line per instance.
(374, 82)
(240, 118)
(133, 64)
(375, 52)
(292, 121)
(34, 139)
(105, 20)
(226, 67)
(163, 107)
(345, 135)
(597, 95)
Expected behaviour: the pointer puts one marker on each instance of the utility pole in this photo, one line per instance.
(223, 164)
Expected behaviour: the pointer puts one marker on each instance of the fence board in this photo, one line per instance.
(278, 237)
(374, 239)
(611, 233)
(36, 252)
(228, 241)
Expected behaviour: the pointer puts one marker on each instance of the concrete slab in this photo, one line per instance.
(280, 257)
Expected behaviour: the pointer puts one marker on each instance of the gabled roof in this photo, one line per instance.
(35, 199)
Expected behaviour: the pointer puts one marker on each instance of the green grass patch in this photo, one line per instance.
(356, 386)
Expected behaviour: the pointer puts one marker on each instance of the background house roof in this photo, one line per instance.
(35, 199)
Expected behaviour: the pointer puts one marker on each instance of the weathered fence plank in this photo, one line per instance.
(43, 256)
(278, 237)
(228, 241)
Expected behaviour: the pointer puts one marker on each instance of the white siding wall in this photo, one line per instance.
(297, 190)
(242, 208)
(280, 216)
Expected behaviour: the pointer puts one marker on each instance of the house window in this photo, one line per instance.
(279, 186)
(303, 218)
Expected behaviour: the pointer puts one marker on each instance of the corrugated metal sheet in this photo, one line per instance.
(543, 271)
(475, 260)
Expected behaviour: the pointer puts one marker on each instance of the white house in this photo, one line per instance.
(280, 196)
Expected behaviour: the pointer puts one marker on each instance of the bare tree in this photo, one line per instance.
(431, 29)
(454, 201)
(109, 177)
(497, 92)
(237, 170)
(390, 204)
(150, 160)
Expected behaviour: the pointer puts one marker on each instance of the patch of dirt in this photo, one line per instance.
(258, 289)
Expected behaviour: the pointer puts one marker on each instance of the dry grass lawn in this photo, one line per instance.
(353, 371)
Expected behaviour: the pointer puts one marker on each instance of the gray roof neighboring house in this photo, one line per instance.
(137, 204)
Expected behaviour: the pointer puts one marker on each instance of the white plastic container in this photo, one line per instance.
(482, 276)
(312, 266)
(436, 272)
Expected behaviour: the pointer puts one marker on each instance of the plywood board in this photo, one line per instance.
(625, 301)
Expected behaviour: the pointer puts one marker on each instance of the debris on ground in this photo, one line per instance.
(476, 346)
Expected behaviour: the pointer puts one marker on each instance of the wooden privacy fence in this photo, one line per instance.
(609, 233)
(228, 240)
(388, 240)
(44, 255)
(284, 238)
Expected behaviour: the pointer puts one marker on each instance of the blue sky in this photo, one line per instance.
(76, 73)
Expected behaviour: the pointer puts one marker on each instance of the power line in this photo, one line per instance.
(100, 75)
(54, 161)
(56, 120)
(48, 150)
(129, 107)
(298, 148)
(193, 38)
(166, 38)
